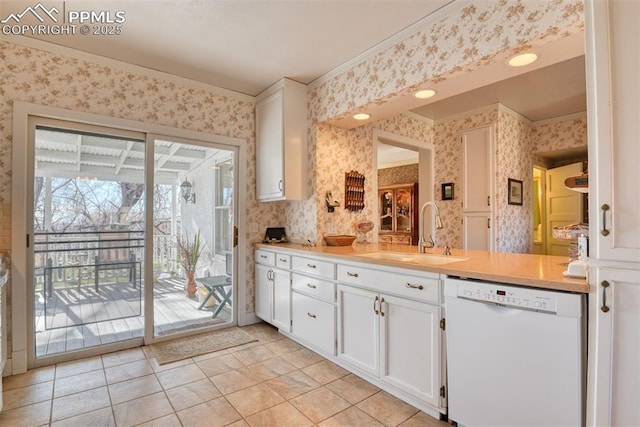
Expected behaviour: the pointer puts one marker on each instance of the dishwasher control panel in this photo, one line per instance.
(508, 296)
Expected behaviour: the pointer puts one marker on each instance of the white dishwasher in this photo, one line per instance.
(515, 355)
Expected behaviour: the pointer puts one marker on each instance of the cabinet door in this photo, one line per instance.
(477, 233)
(263, 292)
(614, 353)
(404, 200)
(314, 321)
(613, 106)
(477, 170)
(269, 147)
(358, 328)
(386, 210)
(282, 299)
(406, 324)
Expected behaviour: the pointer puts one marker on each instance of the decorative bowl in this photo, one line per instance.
(339, 240)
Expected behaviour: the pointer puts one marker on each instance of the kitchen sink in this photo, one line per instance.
(417, 258)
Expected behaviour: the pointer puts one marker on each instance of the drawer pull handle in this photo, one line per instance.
(381, 312)
(604, 307)
(375, 302)
(604, 230)
(282, 260)
(410, 286)
(311, 265)
(263, 256)
(313, 316)
(352, 274)
(311, 286)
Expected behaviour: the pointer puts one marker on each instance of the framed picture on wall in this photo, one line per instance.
(447, 191)
(514, 192)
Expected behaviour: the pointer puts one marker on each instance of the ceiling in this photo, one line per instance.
(241, 45)
(247, 45)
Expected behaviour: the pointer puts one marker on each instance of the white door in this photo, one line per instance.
(263, 292)
(282, 299)
(564, 206)
(358, 328)
(614, 353)
(416, 371)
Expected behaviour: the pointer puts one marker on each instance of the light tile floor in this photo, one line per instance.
(273, 382)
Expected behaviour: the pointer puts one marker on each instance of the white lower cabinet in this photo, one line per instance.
(273, 296)
(382, 323)
(359, 328)
(314, 321)
(410, 347)
(395, 339)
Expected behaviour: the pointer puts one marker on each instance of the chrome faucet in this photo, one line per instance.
(422, 242)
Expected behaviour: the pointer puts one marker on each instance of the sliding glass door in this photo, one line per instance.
(192, 236)
(114, 266)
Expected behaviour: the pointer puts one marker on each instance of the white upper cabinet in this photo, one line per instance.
(281, 142)
(613, 97)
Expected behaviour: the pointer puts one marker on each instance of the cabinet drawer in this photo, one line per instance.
(385, 238)
(315, 287)
(313, 266)
(402, 240)
(283, 261)
(393, 282)
(314, 321)
(265, 257)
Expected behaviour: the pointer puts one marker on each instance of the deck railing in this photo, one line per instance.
(71, 258)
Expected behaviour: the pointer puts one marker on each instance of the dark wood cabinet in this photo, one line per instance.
(398, 216)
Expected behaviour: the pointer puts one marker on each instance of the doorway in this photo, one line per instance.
(115, 220)
(414, 160)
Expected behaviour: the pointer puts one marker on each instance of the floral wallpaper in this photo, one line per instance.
(398, 175)
(35, 76)
(448, 163)
(563, 133)
(334, 152)
(469, 37)
(465, 39)
(514, 159)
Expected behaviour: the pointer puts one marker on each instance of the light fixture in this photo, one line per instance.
(185, 192)
(522, 59)
(362, 116)
(425, 93)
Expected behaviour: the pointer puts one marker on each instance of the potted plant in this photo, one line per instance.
(190, 252)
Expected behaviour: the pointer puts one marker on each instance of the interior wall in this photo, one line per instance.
(36, 76)
(398, 175)
(514, 159)
(465, 39)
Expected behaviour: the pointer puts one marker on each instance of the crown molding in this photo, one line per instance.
(580, 115)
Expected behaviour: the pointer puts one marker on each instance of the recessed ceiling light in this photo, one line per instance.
(362, 116)
(522, 59)
(424, 94)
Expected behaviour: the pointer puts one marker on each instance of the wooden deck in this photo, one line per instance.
(78, 317)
